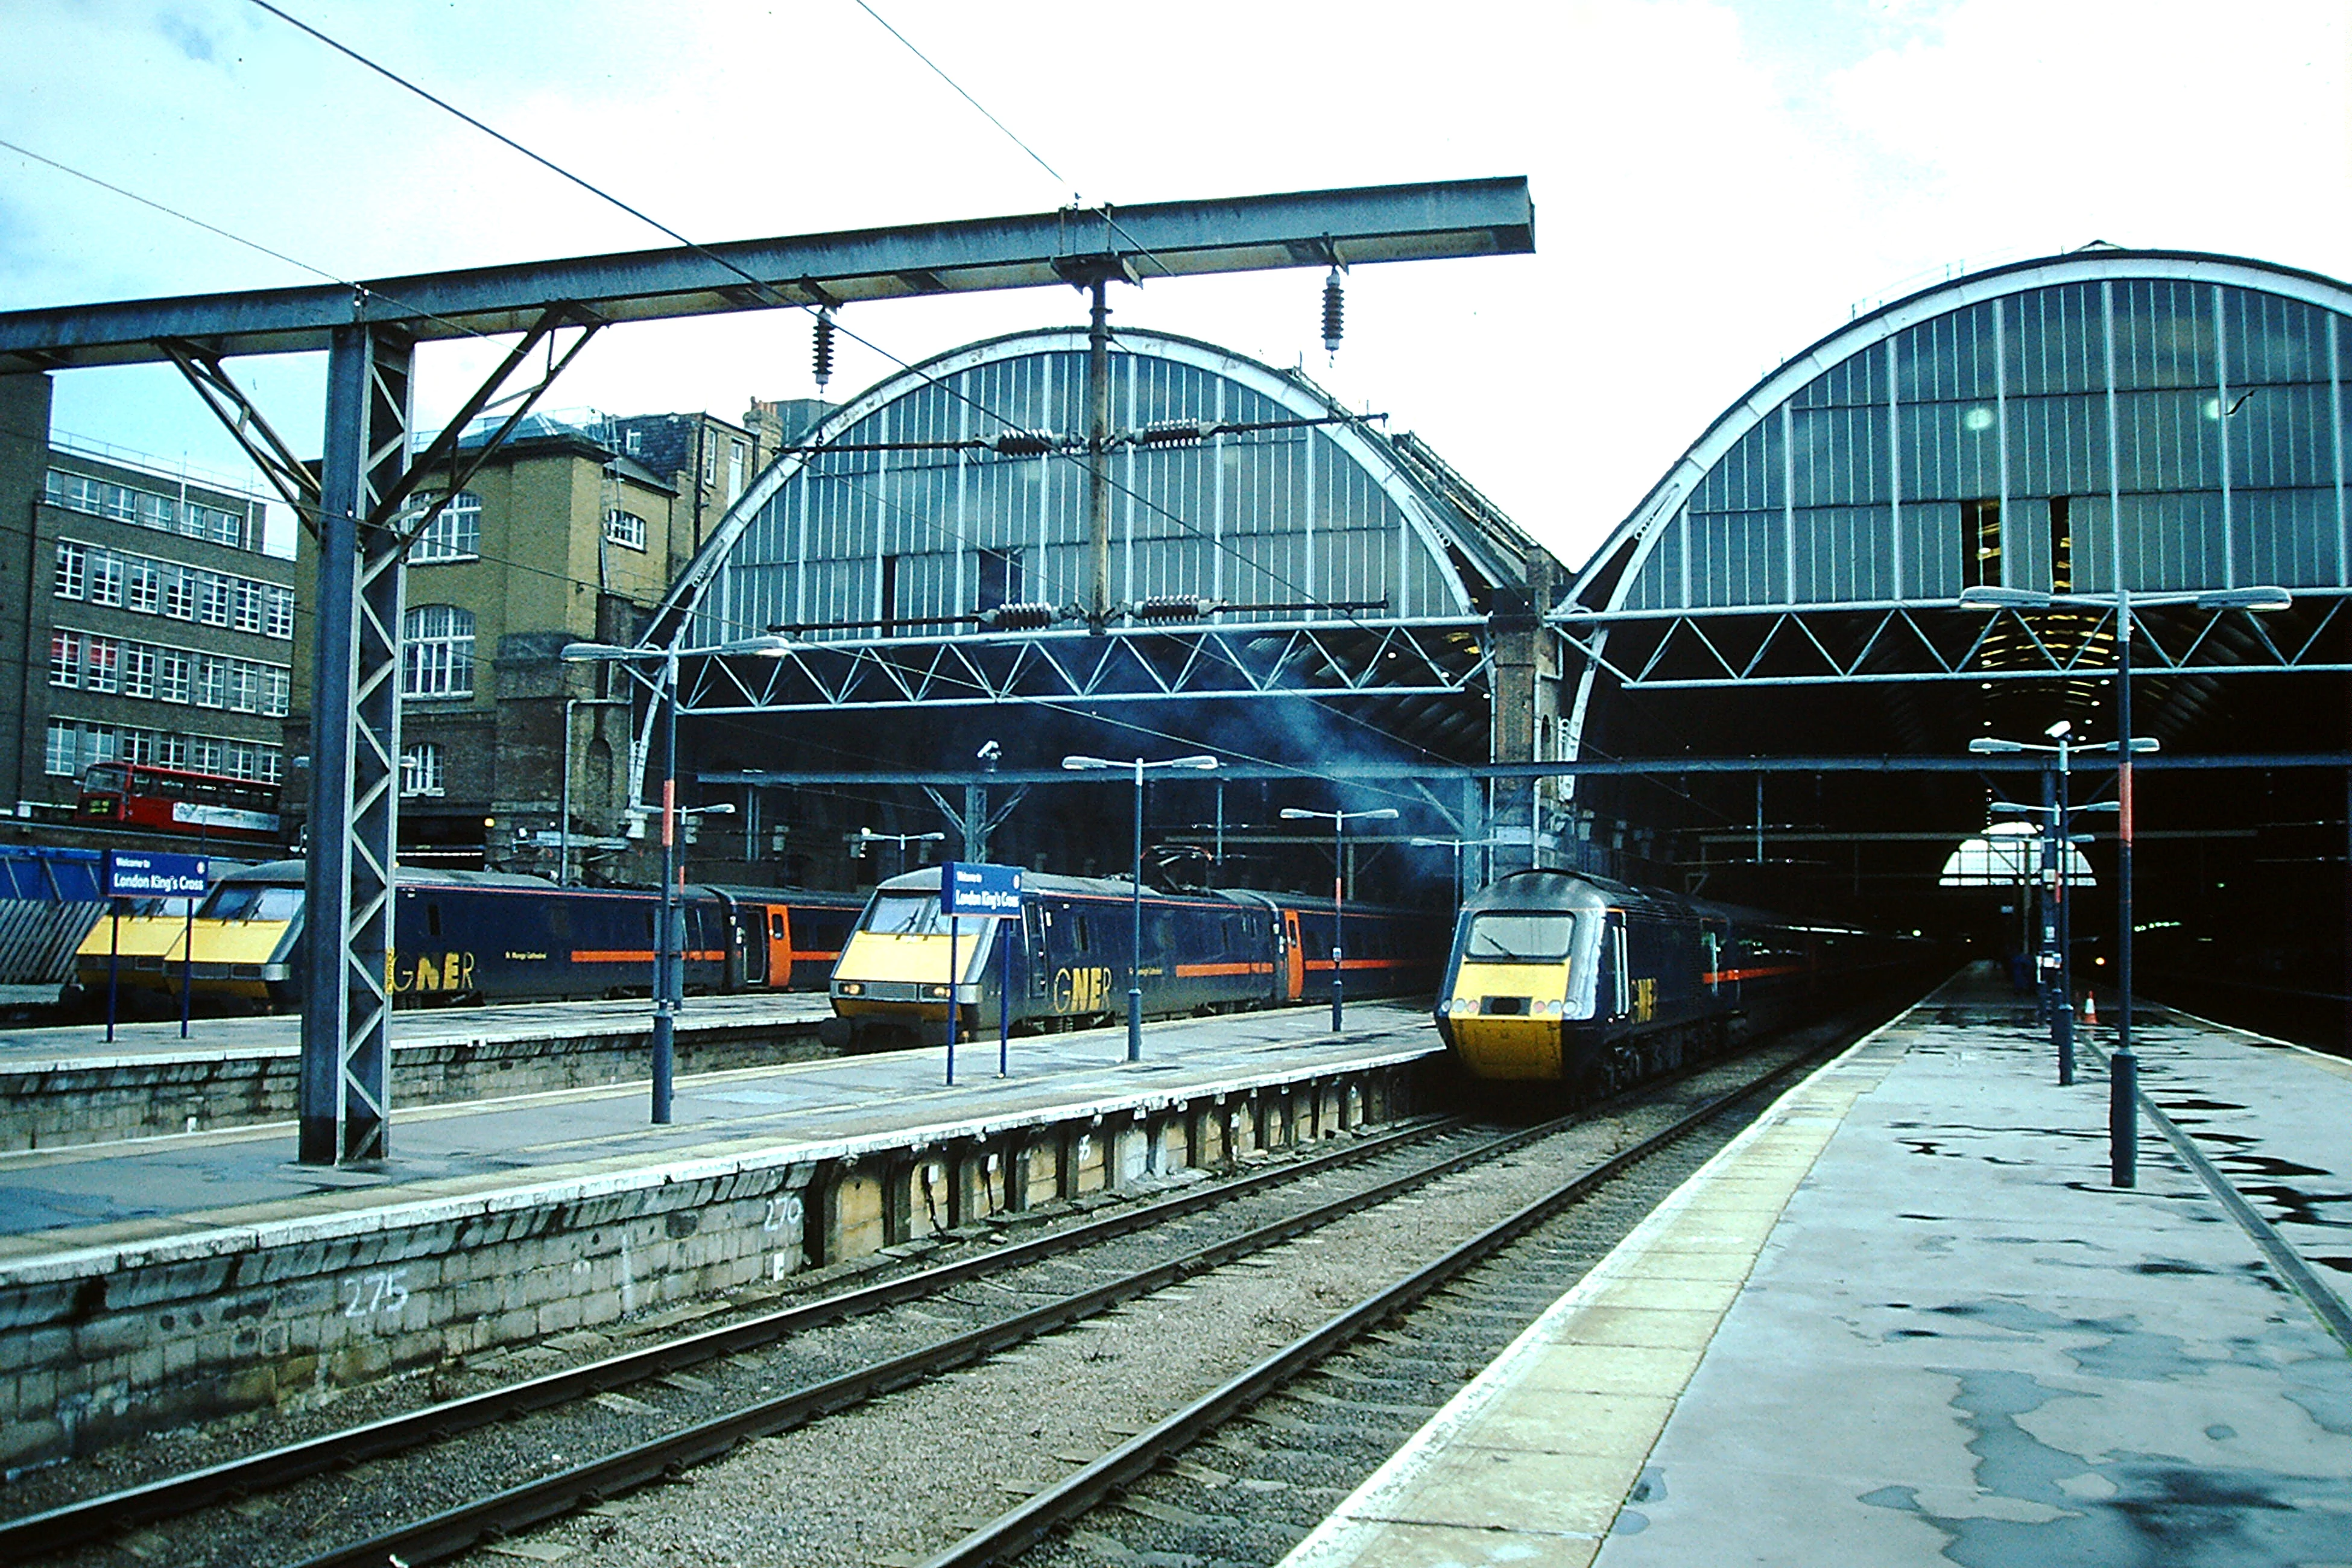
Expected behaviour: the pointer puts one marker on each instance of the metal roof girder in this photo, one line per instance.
(1870, 643)
(1782, 621)
(2259, 624)
(1427, 221)
(1131, 654)
(1698, 628)
(1805, 627)
(2328, 618)
(445, 446)
(2199, 636)
(2050, 656)
(1595, 652)
(1917, 678)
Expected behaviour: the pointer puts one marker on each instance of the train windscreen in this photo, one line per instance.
(1519, 936)
(905, 914)
(252, 901)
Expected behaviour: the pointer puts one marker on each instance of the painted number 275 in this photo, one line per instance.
(372, 1293)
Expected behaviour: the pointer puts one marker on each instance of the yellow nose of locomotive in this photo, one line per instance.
(1504, 1019)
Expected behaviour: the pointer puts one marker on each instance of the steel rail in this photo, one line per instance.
(1015, 1533)
(2329, 1308)
(535, 1502)
(235, 1479)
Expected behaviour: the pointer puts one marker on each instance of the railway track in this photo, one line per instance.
(842, 1357)
(122, 1514)
(1373, 1385)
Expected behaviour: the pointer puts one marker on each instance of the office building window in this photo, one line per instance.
(455, 534)
(436, 653)
(65, 659)
(420, 769)
(73, 568)
(626, 528)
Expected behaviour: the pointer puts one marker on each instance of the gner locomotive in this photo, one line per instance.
(1561, 977)
(474, 936)
(1069, 958)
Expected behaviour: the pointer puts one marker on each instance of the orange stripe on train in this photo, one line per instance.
(639, 955)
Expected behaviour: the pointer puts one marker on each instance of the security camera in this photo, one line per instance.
(991, 752)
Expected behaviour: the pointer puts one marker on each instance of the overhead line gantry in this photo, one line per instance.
(354, 503)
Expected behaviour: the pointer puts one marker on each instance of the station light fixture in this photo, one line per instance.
(1338, 821)
(669, 982)
(1085, 764)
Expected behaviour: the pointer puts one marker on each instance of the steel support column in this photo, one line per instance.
(355, 753)
(1098, 456)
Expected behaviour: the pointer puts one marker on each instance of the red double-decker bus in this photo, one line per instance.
(146, 798)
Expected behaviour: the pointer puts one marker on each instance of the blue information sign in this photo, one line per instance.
(143, 874)
(974, 889)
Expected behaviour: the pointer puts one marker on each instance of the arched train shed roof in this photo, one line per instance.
(2163, 333)
(1781, 637)
(1322, 556)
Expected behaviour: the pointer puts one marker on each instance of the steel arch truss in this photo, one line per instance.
(1369, 658)
(1888, 644)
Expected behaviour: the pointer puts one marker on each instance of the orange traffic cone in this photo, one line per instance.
(2090, 1008)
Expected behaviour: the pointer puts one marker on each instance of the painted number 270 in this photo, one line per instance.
(373, 1294)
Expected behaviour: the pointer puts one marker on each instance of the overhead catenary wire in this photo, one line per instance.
(551, 166)
(232, 236)
(1102, 210)
(1070, 710)
(765, 287)
(1055, 174)
(769, 290)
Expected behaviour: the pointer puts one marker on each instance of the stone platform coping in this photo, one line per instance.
(342, 1206)
(1906, 1311)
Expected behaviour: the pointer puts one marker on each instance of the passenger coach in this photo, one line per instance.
(1561, 977)
(1068, 958)
(478, 936)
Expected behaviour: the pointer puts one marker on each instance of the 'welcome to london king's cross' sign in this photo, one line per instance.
(972, 889)
(140, 874)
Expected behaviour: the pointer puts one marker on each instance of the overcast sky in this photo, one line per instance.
(1716, 184)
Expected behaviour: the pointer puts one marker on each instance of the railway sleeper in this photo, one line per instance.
(442, 1290)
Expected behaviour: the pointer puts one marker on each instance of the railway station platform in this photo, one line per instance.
(1906, 1319)
(67, 1083)
(167, 1279)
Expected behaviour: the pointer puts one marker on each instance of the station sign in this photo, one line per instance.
(967, 889)
(143, 874)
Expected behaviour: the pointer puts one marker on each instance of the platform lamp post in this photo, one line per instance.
(1338, 821)
(866, 836)
(667, 991)
(1135, 950)
(2057, 855)
(2123, 1116)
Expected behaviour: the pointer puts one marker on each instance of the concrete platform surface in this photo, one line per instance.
(62, 1048)
(1905, 1319)
(194, 1194)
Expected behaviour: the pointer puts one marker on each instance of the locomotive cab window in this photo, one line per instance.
(251, 902)
(901, 914)
(1519, 936)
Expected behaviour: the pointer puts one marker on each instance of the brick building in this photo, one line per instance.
(148, 623)
(571, 532)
